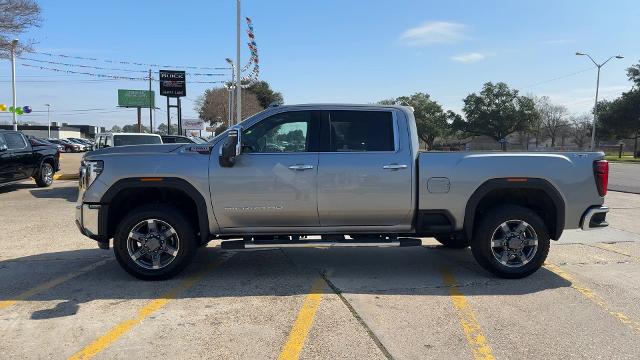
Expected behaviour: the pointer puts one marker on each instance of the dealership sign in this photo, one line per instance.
(173, 83)
(193, 124)
(136, 98)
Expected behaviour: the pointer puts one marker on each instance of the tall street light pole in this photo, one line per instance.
(230, 89)
(238, 66)
(48, 120)
(595, 108)
(14, 45)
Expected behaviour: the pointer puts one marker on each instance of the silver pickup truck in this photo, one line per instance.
(346, 173)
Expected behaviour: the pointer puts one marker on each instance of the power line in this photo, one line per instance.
(558, 78)
(108, 68)
(127, 62)
(109, 76)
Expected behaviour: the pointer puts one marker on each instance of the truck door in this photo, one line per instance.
(273, 182)
(365, 174)
(5, 158)
(20, 155)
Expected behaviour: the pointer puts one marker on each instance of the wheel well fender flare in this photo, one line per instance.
(168, 183)
(521, 183)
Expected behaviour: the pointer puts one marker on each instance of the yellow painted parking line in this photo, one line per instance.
(65, 177)
(49, 284)
(301, 327)
(470, 326)
(593, 297)
(151, 307)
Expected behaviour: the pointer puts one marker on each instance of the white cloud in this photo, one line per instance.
(433, 32)
(469, 57)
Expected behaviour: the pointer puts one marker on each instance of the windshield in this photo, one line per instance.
(197, 140)
(123, 140)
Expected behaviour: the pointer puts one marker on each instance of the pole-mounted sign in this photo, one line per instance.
(173, 84)
(136, 99)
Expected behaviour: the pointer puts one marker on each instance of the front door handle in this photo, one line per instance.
(301, 167)
(394, 167)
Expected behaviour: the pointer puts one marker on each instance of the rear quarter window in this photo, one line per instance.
(361, 131)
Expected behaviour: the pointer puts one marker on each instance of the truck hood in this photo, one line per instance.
(136, 149)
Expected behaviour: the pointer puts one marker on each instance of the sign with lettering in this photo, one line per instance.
(173, 83)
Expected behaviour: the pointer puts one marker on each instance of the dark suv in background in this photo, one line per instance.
(19, 160)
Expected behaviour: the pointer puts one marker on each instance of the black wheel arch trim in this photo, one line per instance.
(172, 183)
(505, 183)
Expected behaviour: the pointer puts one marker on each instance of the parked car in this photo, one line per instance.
(68, 146)
(88, 144)
(345, 170)
(19, 160)
(36, 141)
(176, 139)
(82, 145)
(109, 139)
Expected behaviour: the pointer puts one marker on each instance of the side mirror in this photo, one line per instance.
(231, 148)
(3, 148)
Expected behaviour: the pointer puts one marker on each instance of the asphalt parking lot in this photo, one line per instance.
(62, 297)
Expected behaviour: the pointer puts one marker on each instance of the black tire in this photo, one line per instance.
(489, 223)
(173, 217)
(454, 241)
(44, 178)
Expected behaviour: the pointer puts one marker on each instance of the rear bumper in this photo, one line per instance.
(594, 218)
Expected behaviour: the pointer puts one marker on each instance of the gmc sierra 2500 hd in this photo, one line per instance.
(333, 170)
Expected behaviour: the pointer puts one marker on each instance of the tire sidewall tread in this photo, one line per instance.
(482, 237)
(169, 215)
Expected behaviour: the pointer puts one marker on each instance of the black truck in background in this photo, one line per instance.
(21, 159)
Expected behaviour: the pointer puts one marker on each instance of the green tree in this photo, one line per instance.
(266, 96)
(622, 117)
(497, 111)
(431, 119)
(133, 128)
(162, 129)
(633, 73)
(116, 129)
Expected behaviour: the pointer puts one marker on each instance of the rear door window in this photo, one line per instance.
(361, 131)
(15, 141)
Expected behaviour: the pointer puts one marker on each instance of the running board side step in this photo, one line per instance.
(241, 244)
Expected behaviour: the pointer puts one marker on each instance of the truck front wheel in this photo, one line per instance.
(511, 242)
(154, 242)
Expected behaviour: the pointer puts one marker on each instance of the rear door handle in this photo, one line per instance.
(394, 167)
(301, 167)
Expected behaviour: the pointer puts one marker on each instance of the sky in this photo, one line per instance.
(327, 51)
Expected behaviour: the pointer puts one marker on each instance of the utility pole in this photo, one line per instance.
(238, 67)
(48, 121)
(14, 44)
(151, 105)
(595, 107)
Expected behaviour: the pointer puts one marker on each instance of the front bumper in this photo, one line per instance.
(594, 217)
(87, 220)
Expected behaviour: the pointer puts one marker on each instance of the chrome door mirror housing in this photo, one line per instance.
(3, 148)
(232, 147)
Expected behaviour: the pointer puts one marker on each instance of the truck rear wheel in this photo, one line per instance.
(154, 242)
(454, 241)
(511, 242)
(45, 175)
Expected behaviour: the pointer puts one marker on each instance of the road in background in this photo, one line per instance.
(624, 177)
(61, 296)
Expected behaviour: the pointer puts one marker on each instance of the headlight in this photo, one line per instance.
(89, 172)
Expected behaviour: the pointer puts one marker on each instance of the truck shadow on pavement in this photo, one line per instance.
(272, 272)
(67, 193)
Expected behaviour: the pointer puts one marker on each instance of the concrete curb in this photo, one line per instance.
(65, 177)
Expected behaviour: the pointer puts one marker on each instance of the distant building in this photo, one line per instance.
(58, 131)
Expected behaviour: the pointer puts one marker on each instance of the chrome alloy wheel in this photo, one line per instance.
(153, 244)
(514, 243)
(47, 173)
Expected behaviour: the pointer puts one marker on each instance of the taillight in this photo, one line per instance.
(601, 174)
